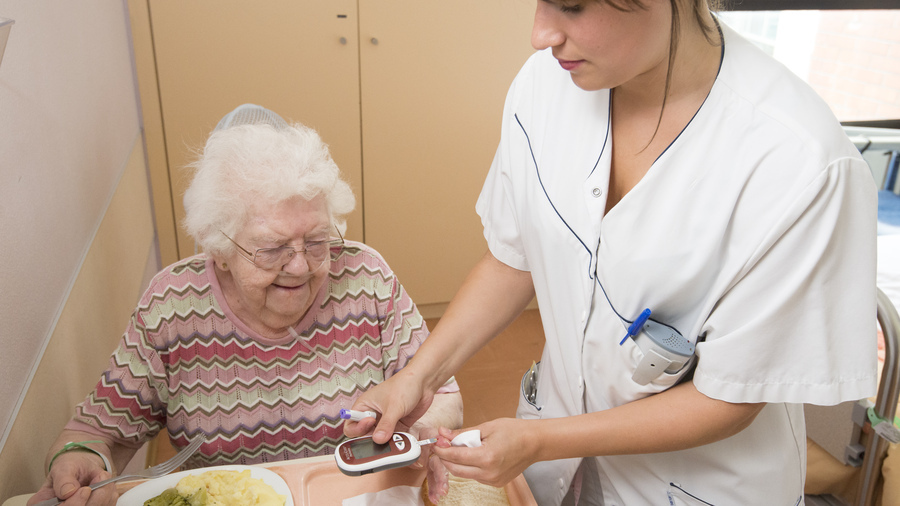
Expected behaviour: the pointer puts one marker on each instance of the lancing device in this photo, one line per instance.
(355, 416)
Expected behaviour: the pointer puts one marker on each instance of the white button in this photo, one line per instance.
(580, 382)
(583, 315)
(596, 192)
(562, 483)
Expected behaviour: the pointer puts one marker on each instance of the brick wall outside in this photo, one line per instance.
(855, 66)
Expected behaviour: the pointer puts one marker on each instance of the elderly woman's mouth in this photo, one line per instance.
(290, 286)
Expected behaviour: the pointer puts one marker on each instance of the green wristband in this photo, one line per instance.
(81, 446)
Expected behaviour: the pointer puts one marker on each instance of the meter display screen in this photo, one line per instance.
(366, 448)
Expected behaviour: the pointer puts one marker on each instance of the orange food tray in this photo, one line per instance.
(318, 481)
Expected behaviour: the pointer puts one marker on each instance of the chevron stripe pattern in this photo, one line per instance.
(184, 366)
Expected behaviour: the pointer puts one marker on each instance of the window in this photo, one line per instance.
(850, 57)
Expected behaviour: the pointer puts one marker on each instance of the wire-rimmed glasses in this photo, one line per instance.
(270, 259)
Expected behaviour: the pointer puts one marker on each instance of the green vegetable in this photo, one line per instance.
(199, 498)
(171, 497)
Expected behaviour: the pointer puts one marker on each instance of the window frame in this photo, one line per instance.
(797, 5)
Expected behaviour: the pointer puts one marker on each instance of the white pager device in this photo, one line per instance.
(362, 455)
(664, 349)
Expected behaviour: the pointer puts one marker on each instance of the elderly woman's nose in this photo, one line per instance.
(297, 264)
(545, 32)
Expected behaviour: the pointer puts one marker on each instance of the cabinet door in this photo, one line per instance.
(434, 78)
(299, 58)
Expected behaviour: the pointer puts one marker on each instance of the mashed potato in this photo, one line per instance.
(230, 488)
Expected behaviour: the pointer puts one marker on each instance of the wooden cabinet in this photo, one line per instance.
(407, 94)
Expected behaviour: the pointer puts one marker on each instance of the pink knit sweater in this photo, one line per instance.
(187, 364)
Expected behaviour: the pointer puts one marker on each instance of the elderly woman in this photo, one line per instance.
(256, 344)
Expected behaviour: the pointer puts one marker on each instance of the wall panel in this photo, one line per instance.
(105, 292)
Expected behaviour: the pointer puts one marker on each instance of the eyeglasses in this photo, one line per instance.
(315, 253)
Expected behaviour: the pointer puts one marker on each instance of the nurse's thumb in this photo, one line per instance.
(385, 428)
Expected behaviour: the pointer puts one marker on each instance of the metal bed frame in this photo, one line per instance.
(869, 454)
(885, 402)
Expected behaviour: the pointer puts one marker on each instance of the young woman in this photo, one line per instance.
(651, 158)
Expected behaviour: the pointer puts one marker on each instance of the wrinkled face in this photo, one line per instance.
(603, 47)
(270, 300)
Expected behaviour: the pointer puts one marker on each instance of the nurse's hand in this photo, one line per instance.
(506, 450)
(69, 479)
(400, 400)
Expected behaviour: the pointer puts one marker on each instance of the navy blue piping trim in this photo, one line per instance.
(721, 59)
(674, 485)
(611, 304)
(605, 137)
(538, 172)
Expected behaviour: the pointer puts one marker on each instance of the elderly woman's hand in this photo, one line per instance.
(437, 477)
(70, 479)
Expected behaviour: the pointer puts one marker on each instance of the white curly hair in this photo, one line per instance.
(247, 163)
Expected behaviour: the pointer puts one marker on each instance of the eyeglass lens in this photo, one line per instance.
(314, 252)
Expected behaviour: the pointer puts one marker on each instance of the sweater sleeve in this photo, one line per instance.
(128, 404)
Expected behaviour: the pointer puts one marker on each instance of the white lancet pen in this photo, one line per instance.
(355, 416)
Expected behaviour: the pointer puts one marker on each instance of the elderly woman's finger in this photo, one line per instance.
(79, 498)
(438, 479)
(103, 496)
(45, 493)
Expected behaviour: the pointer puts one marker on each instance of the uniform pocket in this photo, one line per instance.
(529, 407)
(678, 496)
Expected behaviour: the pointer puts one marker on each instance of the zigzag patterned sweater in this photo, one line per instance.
(188, 364)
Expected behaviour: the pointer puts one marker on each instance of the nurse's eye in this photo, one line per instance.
(566, 6)
(571, 7)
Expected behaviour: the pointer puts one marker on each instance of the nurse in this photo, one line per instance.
(651, 158)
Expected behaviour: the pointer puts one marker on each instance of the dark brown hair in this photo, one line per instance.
(698, 8)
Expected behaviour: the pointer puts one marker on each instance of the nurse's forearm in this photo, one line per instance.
(491, 297)
(677, 419)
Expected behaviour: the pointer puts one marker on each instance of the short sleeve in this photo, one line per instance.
(798, 325)
(496, 204)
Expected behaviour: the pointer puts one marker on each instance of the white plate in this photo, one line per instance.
(152, 488)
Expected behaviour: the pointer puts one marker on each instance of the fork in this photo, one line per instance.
(161, 469)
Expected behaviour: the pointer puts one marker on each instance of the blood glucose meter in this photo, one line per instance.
(362, 455)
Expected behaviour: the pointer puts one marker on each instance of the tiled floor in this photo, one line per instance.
(489, 382)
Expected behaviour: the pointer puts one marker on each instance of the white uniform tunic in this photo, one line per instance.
(754, 230)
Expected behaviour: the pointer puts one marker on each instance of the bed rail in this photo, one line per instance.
(885, 402)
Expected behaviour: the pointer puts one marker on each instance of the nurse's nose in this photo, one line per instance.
(545, 32)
